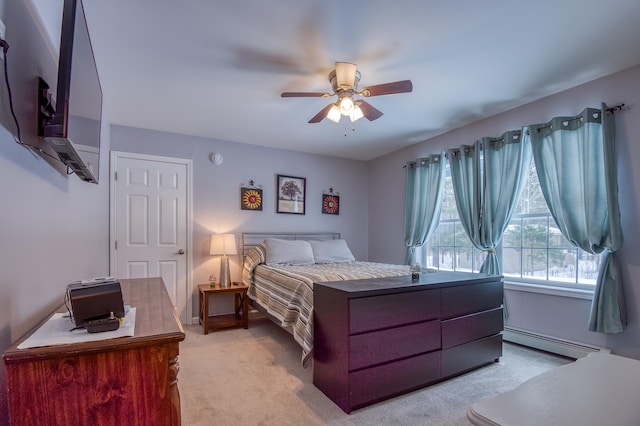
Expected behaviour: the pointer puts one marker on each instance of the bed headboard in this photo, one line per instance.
(251, 239)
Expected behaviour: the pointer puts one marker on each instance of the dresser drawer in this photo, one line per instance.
(461, 358)
(390, 310)
(471, 327)
(381, 346)
(467, 299)
(382, 382)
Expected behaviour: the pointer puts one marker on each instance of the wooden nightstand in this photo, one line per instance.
(216, 322)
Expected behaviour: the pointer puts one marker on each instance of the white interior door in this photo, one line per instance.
(150, 224)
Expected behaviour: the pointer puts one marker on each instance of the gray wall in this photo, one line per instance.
(216, 191)
(53, 227)
(552, 315)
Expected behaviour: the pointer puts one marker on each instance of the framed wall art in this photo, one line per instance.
(291, 194)
(330, 204)
(251, 197)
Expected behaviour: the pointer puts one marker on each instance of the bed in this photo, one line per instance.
(280, 270)
(599, 389)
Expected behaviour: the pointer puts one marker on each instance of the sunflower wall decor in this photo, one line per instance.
(330, 203)
(250, 198)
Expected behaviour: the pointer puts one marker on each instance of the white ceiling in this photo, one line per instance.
(216, 68)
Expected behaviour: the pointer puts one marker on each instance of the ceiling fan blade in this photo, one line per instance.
(305, 95)
(321, 115)
(402, 86)
(345, 75)
(369, 112)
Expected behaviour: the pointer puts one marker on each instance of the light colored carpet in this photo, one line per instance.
(254, 377)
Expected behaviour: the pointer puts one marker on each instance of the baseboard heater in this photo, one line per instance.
(550, 344)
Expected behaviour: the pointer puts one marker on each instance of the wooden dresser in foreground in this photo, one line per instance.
(129, 380)
(378, 338)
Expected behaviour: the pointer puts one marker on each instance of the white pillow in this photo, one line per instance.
(331, 251)
(288, 252)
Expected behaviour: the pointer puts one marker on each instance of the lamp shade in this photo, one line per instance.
(357, 113)
(346, 105)
(223, 245)
(334, 114)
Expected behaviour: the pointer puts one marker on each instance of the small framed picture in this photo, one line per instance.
(291, 194)
(330, 204)
(250, 199)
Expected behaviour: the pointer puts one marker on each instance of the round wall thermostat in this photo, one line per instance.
(216, 158)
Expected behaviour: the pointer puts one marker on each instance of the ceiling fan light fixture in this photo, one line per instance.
(346, 106)
(334, 114)
(344, 79)
(356, 114)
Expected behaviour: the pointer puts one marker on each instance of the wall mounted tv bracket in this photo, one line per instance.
(46, 109)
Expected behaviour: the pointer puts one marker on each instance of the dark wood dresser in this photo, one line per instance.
(129, 380)
(378, 338)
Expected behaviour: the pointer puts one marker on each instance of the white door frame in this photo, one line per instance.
(115, 155)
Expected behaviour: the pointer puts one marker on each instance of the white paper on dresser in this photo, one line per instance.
(56, 332)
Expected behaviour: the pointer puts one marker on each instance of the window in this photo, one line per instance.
(449, 248)
(532, 249)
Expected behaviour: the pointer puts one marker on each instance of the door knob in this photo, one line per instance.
(181, 251)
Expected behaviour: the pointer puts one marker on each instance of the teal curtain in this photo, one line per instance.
(487, 181)
(423, 200)
(575, 158)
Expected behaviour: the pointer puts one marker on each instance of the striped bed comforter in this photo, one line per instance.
(286, 291)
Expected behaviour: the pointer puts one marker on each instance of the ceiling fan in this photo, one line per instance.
(344, 80)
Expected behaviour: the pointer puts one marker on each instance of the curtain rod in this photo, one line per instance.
(611, 110)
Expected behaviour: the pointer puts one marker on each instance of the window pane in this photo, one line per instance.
(446, 234)
(464, 261)
(432, 258)
(449, 208)
(534, 232)
(462, 240)
(446, 258)
(556, 239)
(534, 263)
(531, 199)
(588, 267)
(563, 265)
(511, 262)
(513, 235)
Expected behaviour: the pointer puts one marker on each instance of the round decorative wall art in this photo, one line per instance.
(251, 199)
(330, 204)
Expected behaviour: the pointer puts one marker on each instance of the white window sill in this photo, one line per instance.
(574, 293)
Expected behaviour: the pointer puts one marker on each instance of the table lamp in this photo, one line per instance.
(223, 245)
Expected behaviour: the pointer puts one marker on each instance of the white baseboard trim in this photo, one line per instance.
(550, 344)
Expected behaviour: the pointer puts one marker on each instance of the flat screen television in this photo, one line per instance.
(74, 129)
